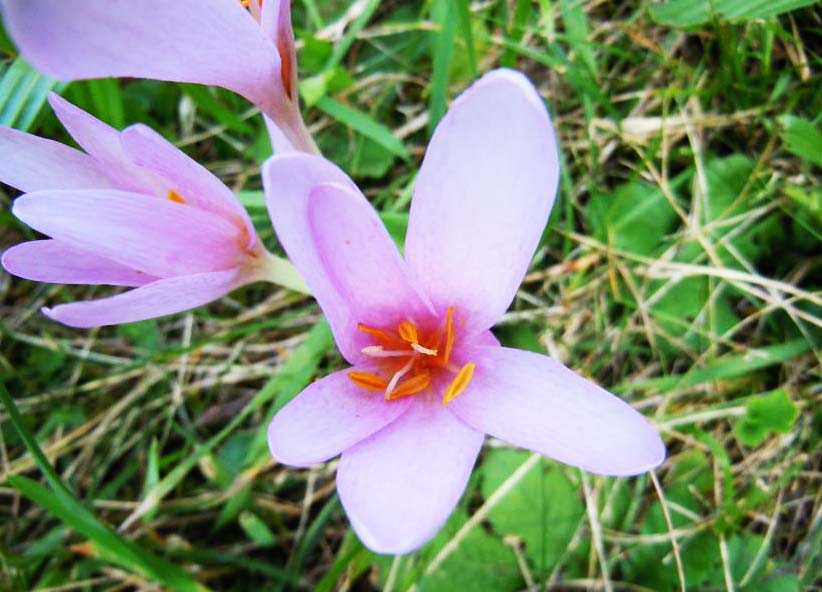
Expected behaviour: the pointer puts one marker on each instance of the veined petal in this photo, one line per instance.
(59, 263)
(155, 236)
(482, 198)
(361, 260)
(331, 415)
(156, 299)
(212, 42)
(288, 180)
(193, 183)
(30, 163)
(534, 402)
(399, 486)
(102, 143)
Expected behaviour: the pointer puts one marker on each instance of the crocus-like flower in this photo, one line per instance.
(133, 210)
(429, 380)
(246, 46)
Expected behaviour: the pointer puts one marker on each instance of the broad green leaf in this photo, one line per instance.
(769, 413)
(635, 217)
(802, 138)
(481, 562)
(543, 510)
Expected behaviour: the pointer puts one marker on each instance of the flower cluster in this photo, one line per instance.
(428, 379)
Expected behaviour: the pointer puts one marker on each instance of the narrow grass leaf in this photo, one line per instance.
(23, 92)
(364, 124)
(62, 504)
(729, 366)
(444, 15)
(463, 11)
(687, 13)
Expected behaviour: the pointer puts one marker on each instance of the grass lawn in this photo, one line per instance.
(681, 269)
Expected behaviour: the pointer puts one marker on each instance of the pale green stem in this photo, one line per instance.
(281, 272)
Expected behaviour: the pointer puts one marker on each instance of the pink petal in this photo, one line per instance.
(101, 142)
(328, 417)
(213, 42)
(30, 163)
(58, 263)
(361, 260)
(191, 181)
(534, 402)
(288, 180)
(399, 486)
(156, 299)
(482, 198)
(155, 236)
(276, 23)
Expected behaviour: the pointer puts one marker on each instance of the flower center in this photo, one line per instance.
(406, 356)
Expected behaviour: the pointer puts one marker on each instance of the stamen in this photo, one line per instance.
(449, 334)
(172, 195)
(459, 383)
(378, 351)
(383, 336)
(392, 384)
(423, 350)
(411, 386)
(408, 332)
(366, 380)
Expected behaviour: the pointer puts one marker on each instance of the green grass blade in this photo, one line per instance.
(444, 14)
(23, 92)
(62, 504)
(364, 124)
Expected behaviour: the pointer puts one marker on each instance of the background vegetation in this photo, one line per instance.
(681, 269)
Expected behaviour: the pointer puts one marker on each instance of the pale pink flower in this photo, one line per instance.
(133, 210)
(241, 46)
(429, 379)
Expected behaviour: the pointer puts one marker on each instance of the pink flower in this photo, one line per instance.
(429, 379)
(216, 42)
(131, 211)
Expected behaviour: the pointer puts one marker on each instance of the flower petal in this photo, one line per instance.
(155, 236)
(58, 263)
(482, 198)
(156, 299)
(212, 42)
(361, 260)
(102, 142)
(328, 417)
(288, 180)
(399, 486)
(193, 183)
(534, 402)
(30, 163)
(276, 23)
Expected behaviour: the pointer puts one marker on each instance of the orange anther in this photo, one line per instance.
(383, 337)
(172, 195)
(408, 332)
(459, 383)
(368, 381)
(449, 334)
(411, 386)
